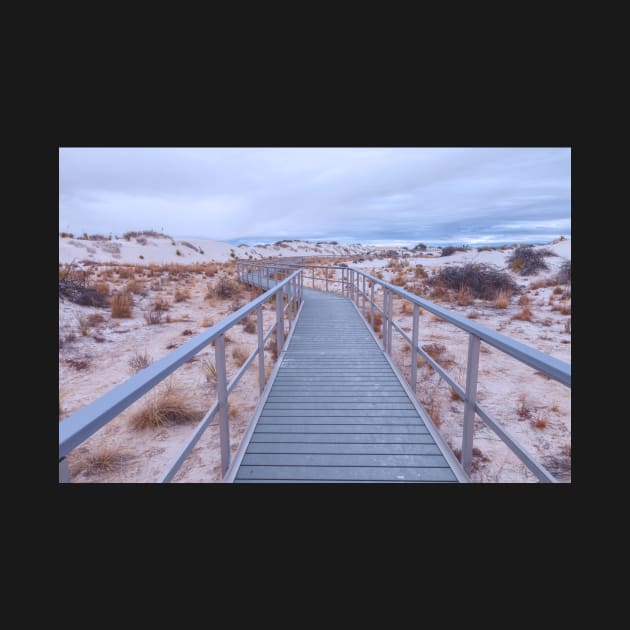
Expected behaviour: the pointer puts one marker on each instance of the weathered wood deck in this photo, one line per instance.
(337, 411)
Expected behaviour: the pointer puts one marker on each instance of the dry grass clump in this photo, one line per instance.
(523, 300)
(565, 308)
(249, 325)
(464, 296)
(472, 314)
(540, 422)
(139, 361)
(378, 322)
(133, 286)
(399, 280)
(154, 317)
(502, 300)
(105, 459)
(207, 322)
(181, 295)
(224, 288)
(161, 304)
(84, 325)
(125, 273)
(482, 281)
(525, 314)
(420, 272)
(168, 405)
(240, 354)
(435, 350)
(209, 369)
(558, 290)
(102, 288)
(121, 304)
(79, 364)
(95, 318)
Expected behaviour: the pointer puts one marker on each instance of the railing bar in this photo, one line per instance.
(516, 448)
(179, 459)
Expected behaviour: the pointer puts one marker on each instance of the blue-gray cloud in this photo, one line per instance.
(353, 194)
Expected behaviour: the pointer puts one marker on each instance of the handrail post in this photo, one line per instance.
(222, 399)
(372, 304)
(385, 316)
(261, 348)
(472, 370)
(390, 321)
(290, 303)
(64, 476)
(326, 272)
(279, 320)
(313, 277)
(364, 298)
(414, 349)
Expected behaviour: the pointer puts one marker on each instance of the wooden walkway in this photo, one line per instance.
(337, 411)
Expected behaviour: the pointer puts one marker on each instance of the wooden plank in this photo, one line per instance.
(302, 427)
(327, 460)
(343, 448)
(345, 473)
(340, 413)
(343, 438)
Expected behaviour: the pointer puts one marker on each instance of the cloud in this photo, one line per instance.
(351, 194)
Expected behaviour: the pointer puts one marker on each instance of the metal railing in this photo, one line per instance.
(81, 425)
(352, 284)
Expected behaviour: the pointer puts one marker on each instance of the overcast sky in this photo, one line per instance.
(379, 196)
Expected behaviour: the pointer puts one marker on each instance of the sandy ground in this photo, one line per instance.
(92, 364)
(536, 410)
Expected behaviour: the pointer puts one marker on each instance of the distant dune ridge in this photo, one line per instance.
(163, 249)
(192, 250)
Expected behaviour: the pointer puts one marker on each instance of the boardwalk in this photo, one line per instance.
(337, 412)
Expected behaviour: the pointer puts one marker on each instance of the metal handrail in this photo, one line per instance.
(552, 367)
(79, 426)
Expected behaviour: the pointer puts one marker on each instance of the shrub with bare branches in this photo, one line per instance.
(483, 281)
(526, 261)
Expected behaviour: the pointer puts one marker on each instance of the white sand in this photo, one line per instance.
(165, 250)
(109, 345)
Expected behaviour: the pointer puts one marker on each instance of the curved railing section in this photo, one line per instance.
(81, 425)
(352, 284)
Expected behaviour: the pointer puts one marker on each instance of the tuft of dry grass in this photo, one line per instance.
(233, 410)
(399, 280)
(455, 395)
(181, 295)
(105, 459)
(558, 290)
(472, 314)
(249, 325)
(464, 296)
(139, 361)
(525, 314)
(523, 300)
(540, 422)
(121, 305)
(554, 407)
(523, 411)
(565, 308)
(169, 405)
(502, 300)
(161, 304)
(95, 318)
(207, 322)
(240, 354)
(378, 322)
(154, 317)
(405, 307)
(84, 325)
(210, 371)
(133, 286)
(102, 288)
(79, 364)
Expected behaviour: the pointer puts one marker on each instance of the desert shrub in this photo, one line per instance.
(177, 252)
(154, 316)
(564, 274)
(187, 244)
(399, 280)
(95, 318)
(421, 272)
(141, 240)
(482, 281)
(225, 288)
(66, 235)
(527, 260)
(448, 251)
(133, 286)
(73, 286)
(121, 304)
(152, 233)
(421, 247)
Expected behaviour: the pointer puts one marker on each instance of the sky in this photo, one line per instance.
(380, 196)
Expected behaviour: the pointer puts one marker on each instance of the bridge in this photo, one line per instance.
(335, 408)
